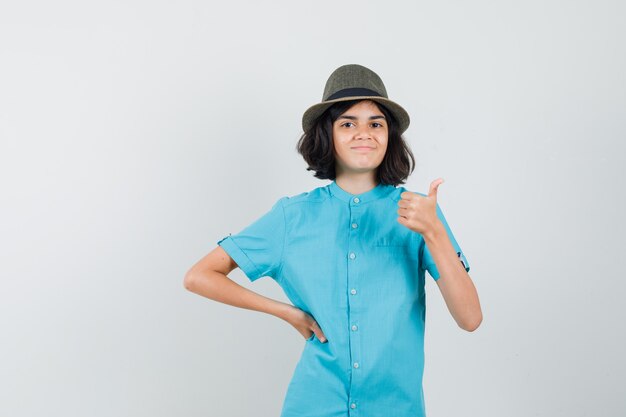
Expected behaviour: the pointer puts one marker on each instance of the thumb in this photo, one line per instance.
(432, 192)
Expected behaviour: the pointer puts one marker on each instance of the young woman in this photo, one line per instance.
(351, 256)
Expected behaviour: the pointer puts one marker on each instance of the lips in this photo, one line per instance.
(361, 147)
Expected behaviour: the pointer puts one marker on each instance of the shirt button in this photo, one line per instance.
(354, 327)
(356, 364)
(353, 405)
(352, 255)
(356, 199)
(353, 291)
(354, 225)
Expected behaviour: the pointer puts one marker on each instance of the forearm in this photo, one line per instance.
(217, 286)
(454, 282)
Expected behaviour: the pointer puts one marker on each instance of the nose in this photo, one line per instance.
(363, 132)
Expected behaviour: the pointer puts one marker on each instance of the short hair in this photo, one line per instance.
(317, 149)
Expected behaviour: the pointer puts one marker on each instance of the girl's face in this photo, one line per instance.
(360, 138)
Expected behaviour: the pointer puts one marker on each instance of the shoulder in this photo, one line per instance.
(316, 195)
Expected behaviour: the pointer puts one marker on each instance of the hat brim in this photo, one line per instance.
(313, 112)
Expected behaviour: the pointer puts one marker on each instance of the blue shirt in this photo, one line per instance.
(344, 259)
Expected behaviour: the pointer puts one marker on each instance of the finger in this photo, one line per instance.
(406, 203)
(318, 332)
(407, 195)
(320, 335)
(432, 192)
(410, 196)
(402, 212)
(402, 220)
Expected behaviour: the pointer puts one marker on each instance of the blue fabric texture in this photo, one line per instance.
(345, 259)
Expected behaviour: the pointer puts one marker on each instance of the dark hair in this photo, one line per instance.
(317, 149)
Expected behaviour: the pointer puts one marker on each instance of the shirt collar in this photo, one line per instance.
(380, 190)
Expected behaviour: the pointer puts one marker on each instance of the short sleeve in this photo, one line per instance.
(258, 248)
(427, 261)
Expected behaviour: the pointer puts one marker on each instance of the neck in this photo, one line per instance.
(357, 182)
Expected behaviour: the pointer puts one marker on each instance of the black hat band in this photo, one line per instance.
(353, 92)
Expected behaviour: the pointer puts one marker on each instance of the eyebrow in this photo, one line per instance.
(355, 118)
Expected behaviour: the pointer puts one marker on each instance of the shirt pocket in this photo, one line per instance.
(395, 249)
(394, 271)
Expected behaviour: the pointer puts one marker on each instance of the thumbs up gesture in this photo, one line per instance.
(417, 212)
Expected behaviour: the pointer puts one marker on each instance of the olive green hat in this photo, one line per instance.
(350, 82)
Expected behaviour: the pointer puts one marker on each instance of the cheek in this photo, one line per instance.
(339, 144)
(337, 150)
(384, 146)
(340, 151)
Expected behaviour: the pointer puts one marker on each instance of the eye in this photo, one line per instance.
(376, 123)
(346, 123)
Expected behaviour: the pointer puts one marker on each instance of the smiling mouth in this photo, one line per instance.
(362, 147)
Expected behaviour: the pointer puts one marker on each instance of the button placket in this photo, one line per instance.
(355, 247)
(356, 252)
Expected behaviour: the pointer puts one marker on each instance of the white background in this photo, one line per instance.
(136, 134)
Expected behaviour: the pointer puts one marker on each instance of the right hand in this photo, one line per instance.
(304, 323)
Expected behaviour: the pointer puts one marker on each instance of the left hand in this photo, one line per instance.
(419, 213)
